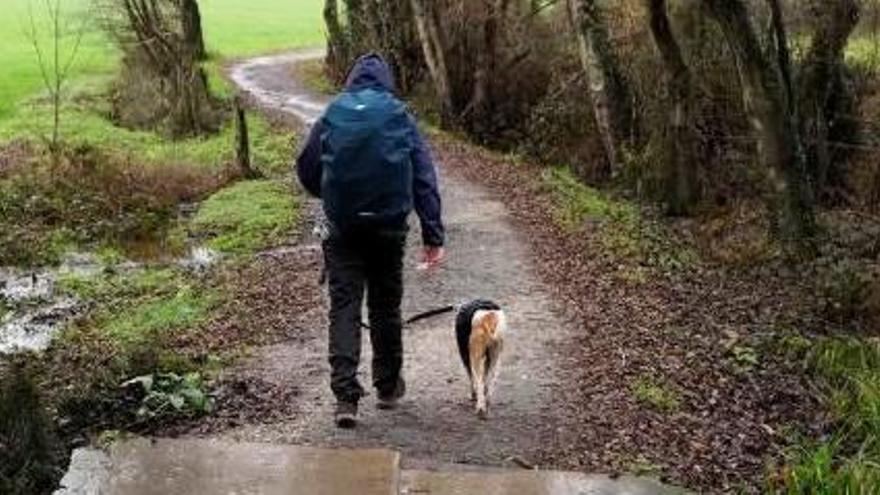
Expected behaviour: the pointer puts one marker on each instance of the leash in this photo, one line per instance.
(425, 315)
(430, 314)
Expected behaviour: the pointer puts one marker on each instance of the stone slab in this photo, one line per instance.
(526, 483)
(190, 467)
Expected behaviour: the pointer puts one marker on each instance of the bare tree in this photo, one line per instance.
(609, 92)
(826, 101)
(55, 63)
(337, 41)
(434, 48)
(681, 168)
(494, 15)
(161, 49)
(191, 17)
(767, 94)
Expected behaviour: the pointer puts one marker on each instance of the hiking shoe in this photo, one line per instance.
(345, 415)
(391, 400)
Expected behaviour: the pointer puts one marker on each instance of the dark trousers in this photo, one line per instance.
(358, 262)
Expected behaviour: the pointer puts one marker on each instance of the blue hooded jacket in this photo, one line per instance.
(371, 71)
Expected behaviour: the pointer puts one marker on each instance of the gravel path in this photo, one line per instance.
(487, 258)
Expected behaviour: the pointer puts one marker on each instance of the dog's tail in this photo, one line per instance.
(490, 322)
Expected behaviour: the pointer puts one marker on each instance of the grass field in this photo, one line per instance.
(233, 28)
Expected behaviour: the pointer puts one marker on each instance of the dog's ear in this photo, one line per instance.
(490, 322)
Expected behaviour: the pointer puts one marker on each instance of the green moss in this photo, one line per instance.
(118, 287)
(624, 233)
(656, 394)
(248, 216)
(152, 318)
(577, 203)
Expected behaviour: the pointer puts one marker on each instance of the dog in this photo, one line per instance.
(480, 327)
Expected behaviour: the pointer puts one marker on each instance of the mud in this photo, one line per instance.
(36, 310)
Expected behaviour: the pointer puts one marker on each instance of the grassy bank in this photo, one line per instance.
(115, 192)
(232, 29)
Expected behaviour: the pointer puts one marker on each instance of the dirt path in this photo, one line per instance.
(487, 258)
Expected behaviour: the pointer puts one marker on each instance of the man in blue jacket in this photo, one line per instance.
(367, 161)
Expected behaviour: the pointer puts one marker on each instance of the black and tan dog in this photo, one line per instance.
(479, 328)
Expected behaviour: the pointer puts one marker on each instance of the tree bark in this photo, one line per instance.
(191, 17)
(434, 48)
(773, 117)
(609, 91)
(337, 51)
(487, 63)
(825, 100)
(682, 188)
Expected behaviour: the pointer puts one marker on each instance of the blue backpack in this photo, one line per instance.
(367, 161)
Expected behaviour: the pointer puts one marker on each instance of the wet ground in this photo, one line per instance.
(487, 258)
(34, 309)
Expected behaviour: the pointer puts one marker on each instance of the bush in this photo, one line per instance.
(91, 197)
(29, 454)
(848, 460)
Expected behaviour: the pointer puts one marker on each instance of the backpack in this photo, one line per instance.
(367, 161)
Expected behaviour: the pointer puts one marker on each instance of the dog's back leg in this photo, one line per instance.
(478, 375)
(493, 356)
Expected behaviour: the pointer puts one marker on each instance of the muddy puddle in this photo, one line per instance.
(33, 308)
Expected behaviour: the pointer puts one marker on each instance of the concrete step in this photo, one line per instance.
(195, 467)
(191, 467)
(525, 483)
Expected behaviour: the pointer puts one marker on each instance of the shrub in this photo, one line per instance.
(91, 197)
(29, 454)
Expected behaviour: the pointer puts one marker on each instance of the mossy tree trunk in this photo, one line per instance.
(681, 169)
(826, 100)
(434, 49)
(767, 94)
(609, 90)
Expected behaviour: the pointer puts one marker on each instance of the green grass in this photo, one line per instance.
(236, 28)
(233, 28)
(847, 371)
(577, 203)
(656, 394)
(149, 320)
(248, 216)
(20, 77)
(625, 234)
(114, 287)
(83, 122)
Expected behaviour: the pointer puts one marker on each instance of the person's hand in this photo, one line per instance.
(432, 256)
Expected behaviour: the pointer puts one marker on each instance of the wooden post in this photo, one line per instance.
(242, 142)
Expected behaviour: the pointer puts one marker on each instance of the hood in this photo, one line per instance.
(370, 71)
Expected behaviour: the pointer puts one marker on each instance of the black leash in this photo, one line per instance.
(423, 316)
(430, 314)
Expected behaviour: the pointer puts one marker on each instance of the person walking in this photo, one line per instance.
(367, 161)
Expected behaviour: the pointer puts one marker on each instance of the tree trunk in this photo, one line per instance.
(434, 48)
(487, 62)
(682, 191)
(610, 95)
(359, 30)
(192, 29)
(825, 100)
(773, 116)
(337, 44)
